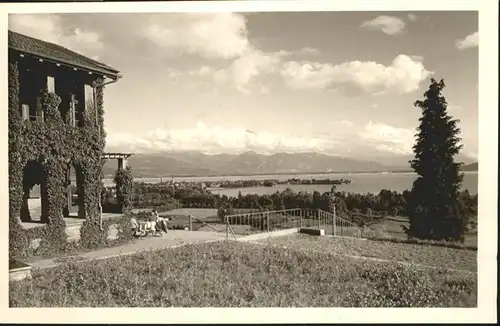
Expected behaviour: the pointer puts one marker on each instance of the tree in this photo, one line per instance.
(221, 214)
(434, 209)
(340, 205)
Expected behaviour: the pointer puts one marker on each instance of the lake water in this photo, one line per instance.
(360, 182)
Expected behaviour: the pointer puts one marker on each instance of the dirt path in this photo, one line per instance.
(172, 239)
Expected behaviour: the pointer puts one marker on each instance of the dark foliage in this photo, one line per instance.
(434, 207)
(124, 189)
(45, 150)
(354, 206)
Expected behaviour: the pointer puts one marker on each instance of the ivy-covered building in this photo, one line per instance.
(56, 131)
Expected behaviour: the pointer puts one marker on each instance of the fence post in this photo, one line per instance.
(190, 222)
(301, 214)
(267, 219)
(334, 222)
(227, 227)
(319, 219)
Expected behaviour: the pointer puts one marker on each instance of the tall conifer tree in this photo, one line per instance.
(435, 211)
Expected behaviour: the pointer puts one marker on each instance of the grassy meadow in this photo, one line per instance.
(236, 274)
(429, 255)
(390, 228)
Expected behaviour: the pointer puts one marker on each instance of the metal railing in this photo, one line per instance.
(337, 226)
(264, 221)
(267, 221)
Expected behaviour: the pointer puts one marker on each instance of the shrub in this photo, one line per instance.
(124, 189)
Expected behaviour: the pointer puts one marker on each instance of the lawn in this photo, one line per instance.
(463, 259)
(240, 224)
(200, 224)
(201, 213)
(235, 274)
(391, 228)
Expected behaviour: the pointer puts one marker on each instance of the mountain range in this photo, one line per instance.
(194, 163)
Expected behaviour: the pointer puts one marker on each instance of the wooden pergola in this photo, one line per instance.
(120, 157)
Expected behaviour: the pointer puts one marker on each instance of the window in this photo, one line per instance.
(25, 111)
(39, 115)
(89, 98)
(28, 93)
(73, 118)
(51, 84)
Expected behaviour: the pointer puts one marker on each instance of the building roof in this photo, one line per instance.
(59, 54)
(110, 156)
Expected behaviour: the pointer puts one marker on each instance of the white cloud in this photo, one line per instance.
(387, 24)
(249, 66)
(342, 138)
(470, 41)
(214, 139)
(204, 71)
(308, 50)
(412, 17)
(471, 154)
(300, 75)
(386, 138)
(347, 123)
(265, 89)
(212, 35)
(404, 75)
(174, 74)
(216, 35)
(242, 70)
(48, 27)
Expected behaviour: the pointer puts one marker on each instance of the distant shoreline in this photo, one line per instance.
(264, 173)
(269, 174)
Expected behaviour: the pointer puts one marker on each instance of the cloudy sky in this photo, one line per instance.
(343, 83)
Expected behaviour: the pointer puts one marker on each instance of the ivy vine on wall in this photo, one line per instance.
(124, 189)
(53, 145)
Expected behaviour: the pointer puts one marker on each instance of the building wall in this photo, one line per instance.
(64, 81)
(54, 144)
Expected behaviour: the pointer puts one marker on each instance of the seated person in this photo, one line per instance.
(154, 216)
